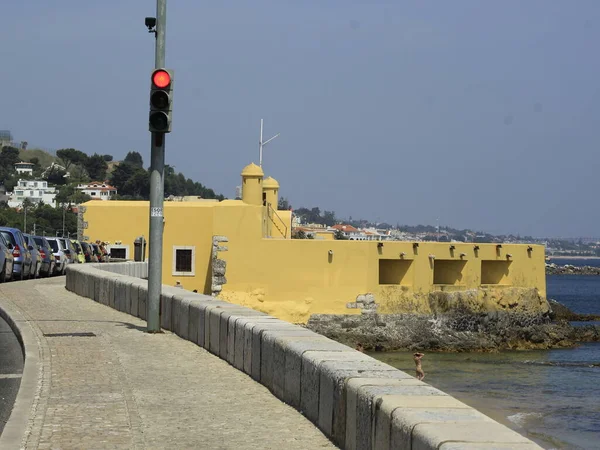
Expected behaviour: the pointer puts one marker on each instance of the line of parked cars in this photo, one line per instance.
(25, 256)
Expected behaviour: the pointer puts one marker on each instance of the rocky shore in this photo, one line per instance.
(567, 269)
(459, 331)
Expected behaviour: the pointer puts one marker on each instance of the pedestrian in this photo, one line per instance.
(419, 369)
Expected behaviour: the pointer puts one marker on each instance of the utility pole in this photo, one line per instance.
(261, 144)
(157, 169)
(24, 217)
(34, 229)
(63, 230)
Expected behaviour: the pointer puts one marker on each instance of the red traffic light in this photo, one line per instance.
(161, 79)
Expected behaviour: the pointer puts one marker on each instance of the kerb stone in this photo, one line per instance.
(166, 305)
(256, 333)
(212, 324)
(142, 301)
(227, 330)
(309, 360)
(361, 398)
(332, 391)
(426, 436)
(240, 339)
(404, 420)
(271, 363)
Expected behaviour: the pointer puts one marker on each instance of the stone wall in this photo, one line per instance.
(357, 401)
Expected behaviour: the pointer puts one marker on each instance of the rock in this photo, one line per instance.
(561, 312)
(567, 269)
(457, 331)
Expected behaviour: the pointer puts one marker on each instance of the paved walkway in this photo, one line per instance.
(115, 386)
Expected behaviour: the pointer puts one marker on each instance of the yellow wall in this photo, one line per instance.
(293, 279)
(298, 278)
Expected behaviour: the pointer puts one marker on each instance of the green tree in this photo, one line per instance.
(339, 235)
(135, 159)
(329, 218)
(283, 204)
(300, 234)
(120, 176)
(9, 156)
(37, 167)
(70, 195)
(96, 167)
(70, 156)
(56, 176)
(138, 185)
(107, 158)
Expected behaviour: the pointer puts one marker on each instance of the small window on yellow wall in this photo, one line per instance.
(184, 260)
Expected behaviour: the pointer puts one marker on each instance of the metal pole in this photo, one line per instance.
(63, 208)
(157, 169)
(24, 217)
(260, 144)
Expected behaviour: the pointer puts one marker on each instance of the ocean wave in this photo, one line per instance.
(521, 418)
(562, 363)
(534, 362)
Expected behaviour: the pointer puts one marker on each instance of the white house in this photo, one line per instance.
(98, 190)
(33, 190)
(24, 168)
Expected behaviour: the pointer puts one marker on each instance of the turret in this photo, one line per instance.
(252, 185)
(271, 192)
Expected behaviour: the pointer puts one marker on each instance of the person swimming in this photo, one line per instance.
(419, 369)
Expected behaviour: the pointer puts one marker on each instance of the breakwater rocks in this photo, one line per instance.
(457, 331)
(558, 311)
(567, 269)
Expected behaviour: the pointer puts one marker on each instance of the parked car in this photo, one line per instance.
(98, 252)
(72, 254)
(6, 260)
(60, 255)
(21, 254)
(78, 250)
(46, 252)
(36, 257)
(88, 253)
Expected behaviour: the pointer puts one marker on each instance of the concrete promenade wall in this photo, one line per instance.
(357, 401)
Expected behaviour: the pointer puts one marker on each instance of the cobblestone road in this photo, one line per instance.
(121, 388)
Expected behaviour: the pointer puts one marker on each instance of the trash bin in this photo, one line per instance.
(139, 249)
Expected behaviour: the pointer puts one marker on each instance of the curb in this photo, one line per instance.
(15, 430)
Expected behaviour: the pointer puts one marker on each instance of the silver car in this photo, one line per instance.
(6, 261)
(61, 255)
(72, 253)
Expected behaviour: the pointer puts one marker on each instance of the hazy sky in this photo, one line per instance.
(484, 114)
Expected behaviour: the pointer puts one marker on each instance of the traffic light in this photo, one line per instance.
(161, 101)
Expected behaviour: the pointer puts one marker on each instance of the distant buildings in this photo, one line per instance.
(351, 233)
(98, 190)
(25, 168)
(35, 191)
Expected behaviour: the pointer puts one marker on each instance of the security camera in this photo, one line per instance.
(150, 22)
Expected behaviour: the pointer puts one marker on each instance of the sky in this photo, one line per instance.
(482, 115)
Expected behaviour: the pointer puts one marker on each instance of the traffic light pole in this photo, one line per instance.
(157, 188)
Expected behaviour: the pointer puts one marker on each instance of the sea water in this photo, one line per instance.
(550, 396)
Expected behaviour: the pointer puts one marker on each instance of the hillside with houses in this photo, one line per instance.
(43, 188)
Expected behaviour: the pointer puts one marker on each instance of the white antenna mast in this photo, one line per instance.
(261, 144)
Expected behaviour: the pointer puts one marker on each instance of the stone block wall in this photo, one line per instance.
(357, 401)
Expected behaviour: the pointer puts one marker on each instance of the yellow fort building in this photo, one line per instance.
(242, 251)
